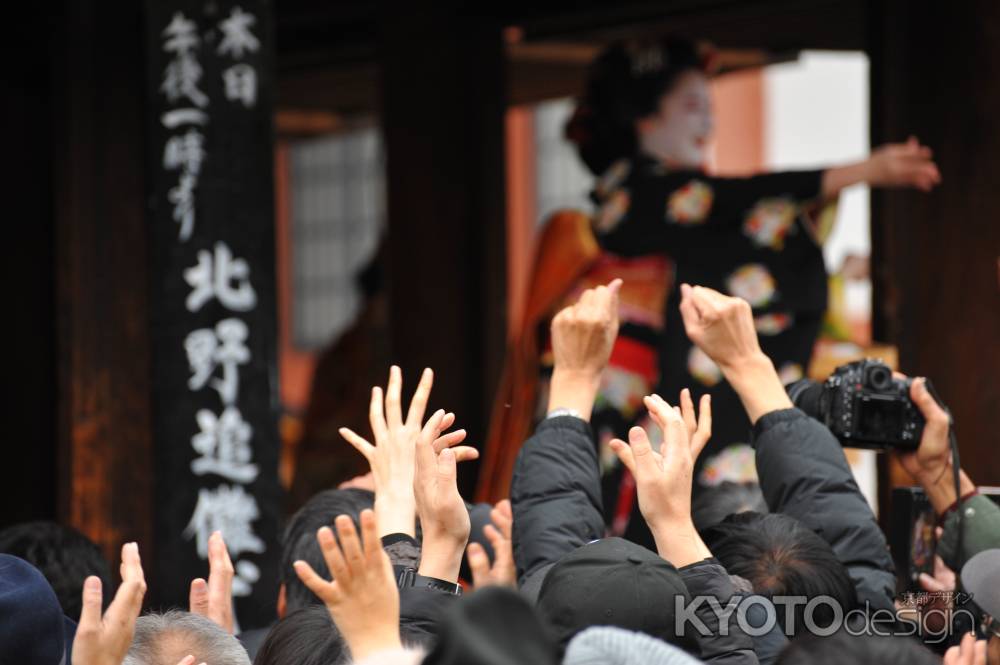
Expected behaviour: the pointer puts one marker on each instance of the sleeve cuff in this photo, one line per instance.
(394, 538)
(565, 422)
(773, 418)
(710, 561)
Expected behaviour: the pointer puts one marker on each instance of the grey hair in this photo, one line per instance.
(160, 638)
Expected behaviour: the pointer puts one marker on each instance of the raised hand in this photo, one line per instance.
(903, 165)
(503, 572)
(664, 478)
(362, 598)
(392, 456)
(104, 640)
(722, 327)
(214, 599)
(583, 335)
(444, 518)
(931, 464)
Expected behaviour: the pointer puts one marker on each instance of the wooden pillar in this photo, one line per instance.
(935, 257)
(443, 117)
(103, 409)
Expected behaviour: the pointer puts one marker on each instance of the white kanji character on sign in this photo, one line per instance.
(213, 277)
(241, 84)
(232, 511)
(180, 35)
(185, 152)
(182, 196)
(180, 79)
(224, 347)
(236, 35)
(224, 446)
(200, 346)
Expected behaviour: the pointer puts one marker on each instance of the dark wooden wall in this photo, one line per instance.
(935, 69)
(443, 117)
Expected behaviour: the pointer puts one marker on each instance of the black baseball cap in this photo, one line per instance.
(613, 582)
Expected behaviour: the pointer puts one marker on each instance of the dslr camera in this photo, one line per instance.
(864, 406)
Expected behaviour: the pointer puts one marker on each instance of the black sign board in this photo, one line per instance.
(211, 219)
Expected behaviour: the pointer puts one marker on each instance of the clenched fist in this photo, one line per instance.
(582, 338)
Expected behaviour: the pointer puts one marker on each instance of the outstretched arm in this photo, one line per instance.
(802, 468)
(556, 491)
(891, 165)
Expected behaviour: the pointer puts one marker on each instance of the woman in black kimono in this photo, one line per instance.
(642, 127)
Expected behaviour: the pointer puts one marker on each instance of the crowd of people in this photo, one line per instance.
(412, 573)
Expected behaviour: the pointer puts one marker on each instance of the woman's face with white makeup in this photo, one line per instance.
(677, 133)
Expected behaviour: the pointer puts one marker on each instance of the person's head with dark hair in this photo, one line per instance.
(299, 541)
(644, 96)
(780, 556)
(843, 647)
(716, 503)
(64, 556)
(306, 636)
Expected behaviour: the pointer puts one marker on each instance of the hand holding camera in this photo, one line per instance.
(866, 406)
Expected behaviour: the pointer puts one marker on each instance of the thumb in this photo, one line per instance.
(937, 418)
(90, 613)
(198, 597)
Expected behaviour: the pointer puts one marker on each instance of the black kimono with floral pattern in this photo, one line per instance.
(747, 237)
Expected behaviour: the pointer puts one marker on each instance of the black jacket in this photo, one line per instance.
(709, 578)
(556, 499)
(555, 494)
(804, 474)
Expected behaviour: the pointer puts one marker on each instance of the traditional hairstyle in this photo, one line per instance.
(625, 83)
(780, 556)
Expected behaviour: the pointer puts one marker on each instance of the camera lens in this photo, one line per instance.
(879, 377)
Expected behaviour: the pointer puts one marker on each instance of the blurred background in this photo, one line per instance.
(403, 158)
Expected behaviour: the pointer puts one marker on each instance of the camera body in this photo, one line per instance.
(864, 406)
